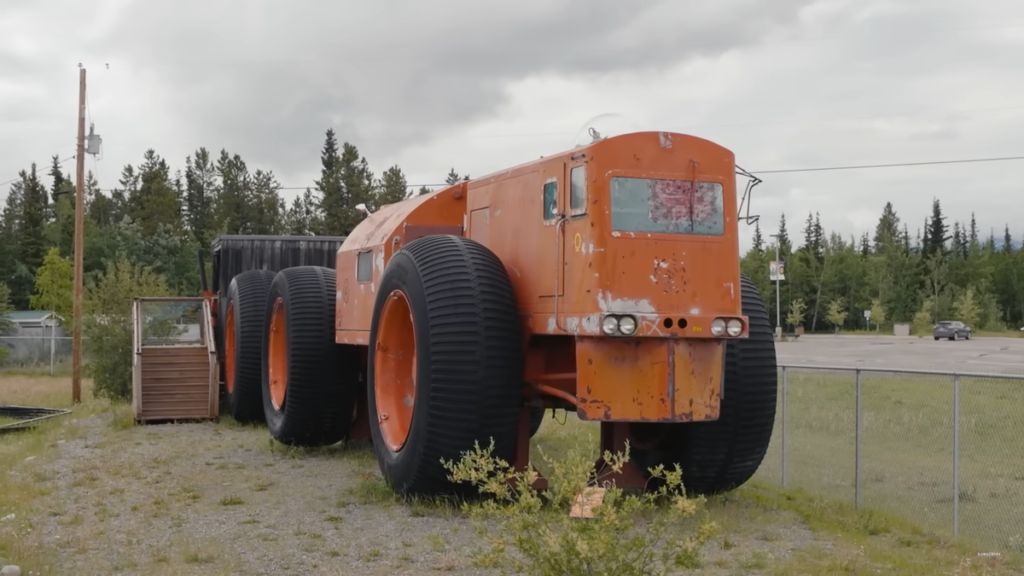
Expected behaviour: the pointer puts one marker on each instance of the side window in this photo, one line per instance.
(364, 266)
(578, 190)
(550, 200)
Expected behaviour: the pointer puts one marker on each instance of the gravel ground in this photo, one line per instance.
(217, 499)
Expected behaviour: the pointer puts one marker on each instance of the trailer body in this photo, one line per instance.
(234, 254)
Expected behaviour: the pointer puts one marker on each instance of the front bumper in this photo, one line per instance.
(649, 379)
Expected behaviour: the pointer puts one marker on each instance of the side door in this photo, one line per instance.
(576, 233)
(550, 253)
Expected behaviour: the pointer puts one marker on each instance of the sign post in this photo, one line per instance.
(777, 273)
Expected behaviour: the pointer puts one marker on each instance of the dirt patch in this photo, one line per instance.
(204, 498)
(210, 498)
(89, 493)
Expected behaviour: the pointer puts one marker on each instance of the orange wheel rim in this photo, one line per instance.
(229, 348)
(277, 355)
(394, 369)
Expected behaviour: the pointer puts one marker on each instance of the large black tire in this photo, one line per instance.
(320, 377)
(721, 455)
(245, 308)
(469, 361)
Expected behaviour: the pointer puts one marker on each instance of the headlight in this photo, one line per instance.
(718, 326)
(734, 327)
(627, 325)
(609, 325)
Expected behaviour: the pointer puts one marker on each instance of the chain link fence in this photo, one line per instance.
(38, 352)
(944, 450)
(164, 323)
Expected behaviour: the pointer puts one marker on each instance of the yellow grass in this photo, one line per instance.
(765, 529)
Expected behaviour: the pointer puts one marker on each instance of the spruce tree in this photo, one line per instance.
(334, 199)
(887, 232)
(391, 188)
(32, 233)
(785, 246)
(758, 239)
(234, 201)
(938, 232)
(201, 194)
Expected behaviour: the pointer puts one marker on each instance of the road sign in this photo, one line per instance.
(867, 314)
(777, 270)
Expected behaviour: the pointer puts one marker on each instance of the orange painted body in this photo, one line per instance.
(600, 245)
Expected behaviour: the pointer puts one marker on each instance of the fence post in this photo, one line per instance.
(956, 455)
(53, 332)
(856, 448)
(784, 382)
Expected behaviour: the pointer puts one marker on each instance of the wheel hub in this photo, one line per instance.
(395, 371)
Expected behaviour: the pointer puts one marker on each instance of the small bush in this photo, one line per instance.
(629, 534)
(108, 325)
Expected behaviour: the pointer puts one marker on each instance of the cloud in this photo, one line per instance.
(481, 86)
(390, 74)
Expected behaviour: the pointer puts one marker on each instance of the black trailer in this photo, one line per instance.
(234, 254)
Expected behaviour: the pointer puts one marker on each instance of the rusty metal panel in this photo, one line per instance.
(648, 380)
(480, 225)
(414, 231)
(698, 378)
(385, 232)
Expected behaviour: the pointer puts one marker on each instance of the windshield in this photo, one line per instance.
(667, 206)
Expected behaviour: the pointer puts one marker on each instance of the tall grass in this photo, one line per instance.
(907, 448)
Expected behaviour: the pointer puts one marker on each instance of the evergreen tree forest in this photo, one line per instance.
(155, 220)
(945, 271)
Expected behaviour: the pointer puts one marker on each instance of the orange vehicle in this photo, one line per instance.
(604, 280)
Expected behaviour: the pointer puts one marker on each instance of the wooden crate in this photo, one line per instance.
(174, 380)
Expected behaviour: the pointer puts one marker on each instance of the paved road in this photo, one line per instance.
(1004, 355)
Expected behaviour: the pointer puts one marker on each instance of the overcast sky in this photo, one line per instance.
(480, 86)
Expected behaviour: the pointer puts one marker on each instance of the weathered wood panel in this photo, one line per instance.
(175, 382)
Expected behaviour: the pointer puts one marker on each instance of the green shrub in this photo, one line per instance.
(108, 324)
(630, 534)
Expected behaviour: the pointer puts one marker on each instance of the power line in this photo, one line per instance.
(297, 187)
(783, 171)
(679, 128)
(19, 177)
(886, 165)
(317, 189)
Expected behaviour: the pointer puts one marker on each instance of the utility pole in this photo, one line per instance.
(76, 337)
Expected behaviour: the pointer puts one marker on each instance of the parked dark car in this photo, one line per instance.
(951, 329)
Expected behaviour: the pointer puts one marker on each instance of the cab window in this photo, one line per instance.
(550, 200)
(578, 190)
